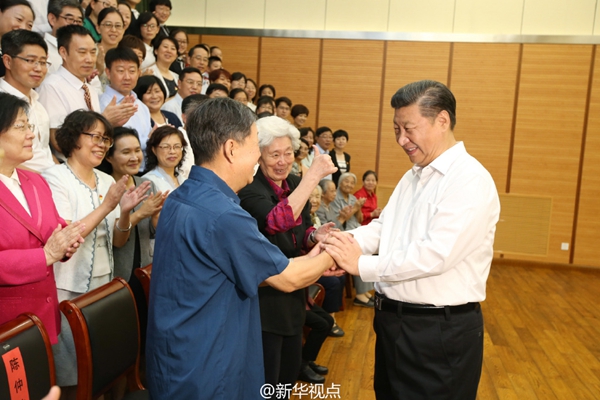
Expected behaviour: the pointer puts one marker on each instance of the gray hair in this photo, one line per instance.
(213, 123)
(319, 189)
(271, 128)
(432, 97)
(323, 183)
(344, 176)
(55, 7)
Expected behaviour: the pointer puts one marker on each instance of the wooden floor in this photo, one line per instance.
(542, 338)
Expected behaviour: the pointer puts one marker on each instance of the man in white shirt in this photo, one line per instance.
(25, 59)
(434, 247)
(60, 13)
(198, 57)
(67, 89)
(190, 82)
(123, 71)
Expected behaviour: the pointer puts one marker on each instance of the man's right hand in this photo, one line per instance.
(119, 114)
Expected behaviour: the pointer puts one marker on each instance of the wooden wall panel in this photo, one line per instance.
(240, 53)
(550, 116)
(587, 251)
(350, 96)
(292, 66)
(484, 78)
(406, 62)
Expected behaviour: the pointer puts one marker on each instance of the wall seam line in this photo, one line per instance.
(319, 84)
(381, 100)
(513, 128)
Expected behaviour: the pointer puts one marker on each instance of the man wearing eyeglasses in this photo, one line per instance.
(60, 13)
(162, 11)
(190, 82)
(25, 59)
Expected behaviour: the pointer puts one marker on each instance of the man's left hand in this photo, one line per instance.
(344, 250)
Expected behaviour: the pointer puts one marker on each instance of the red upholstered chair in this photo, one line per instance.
(26, 353)
(106, 331)
(144, 274)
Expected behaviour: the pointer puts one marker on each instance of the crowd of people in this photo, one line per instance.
(94, 99)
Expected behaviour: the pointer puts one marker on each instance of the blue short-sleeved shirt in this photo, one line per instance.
(204, 334)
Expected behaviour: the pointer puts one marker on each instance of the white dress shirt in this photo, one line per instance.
(162, 180)
(62, 93)
(188, 160)
(13, 183)
(53, 54)
(435, 237)
(149, 59)
(174, 106)
(42, 155)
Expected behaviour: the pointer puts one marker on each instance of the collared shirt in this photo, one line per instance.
(204, 329)
(205, 82)
(162, 180)
(62, 93)
(140, 121)
(53, 54)
(434, 238)
(150, 58)
(174, 106)
(42, 156)
(13, 183)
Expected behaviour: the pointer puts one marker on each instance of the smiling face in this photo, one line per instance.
(127, 156)
(86, 152)
(347, 185)
(224, 80)
(421, 138)
(340, 142)
(112, 30)
(241, 97)
(276, 159)
(300, 120)
(190, 84)
(169, 151)
(329, 194)
(125, 12)
(153, 98)
(370, 183)
(17, 141)
(24, 76)
(250, 90)
(315, 200)
(240, 83)
(199, 59)
(182, 42)
(17, 17)
(302, 151)
(166, 52)
(310, 138)
(324, 140)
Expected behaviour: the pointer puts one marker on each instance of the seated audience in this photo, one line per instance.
(164, 156)
(282, 107)
(266, 90)
(26, 64)
(217, 90)
(299, 115)
(309, 135)
(14, 14)
(221, 76)
(214, 63)
(165, 52)
(181, 38)
(238, 80)
(340, 158)
(28, 254)
(147, 30)
(190, 82)
(369, 209)
(60, 13)
(83, 193)
(265, 104)
(152, 93)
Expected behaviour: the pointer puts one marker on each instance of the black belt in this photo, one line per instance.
(384, 304)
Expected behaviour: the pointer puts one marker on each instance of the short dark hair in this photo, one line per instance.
(145, 82)
(236, 76)
(322, 130)
(216, 86)
(188, 70)
(299, 109)
(212, 48)
(66, 33)
(264, 100)
(213, 59)
(6, 4)
(11, 105)
(255, 86)
(14, 41)
(120, 54)
(106, 12)
(75, 124)
(213, 123)
(161, 38)
(340, 133)
(144, 18)
(55, 7)
(283, 99)
(118, 132)
(191, 101)
(214, 75)
(133, 42)
(432, 98)
(236, 91)
(154, 140)
(370, 172)
(198, 46)
(263, 87)
(154, 3)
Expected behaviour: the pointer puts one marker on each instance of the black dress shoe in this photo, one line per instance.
(310, 376)
(319, 369)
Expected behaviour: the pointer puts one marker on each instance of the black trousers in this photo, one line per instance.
(334, 292)
(430, 357)
(320, 323)
(282, 357)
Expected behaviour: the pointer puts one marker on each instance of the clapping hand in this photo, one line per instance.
(119, 113)
(63, 242)
(134, 196)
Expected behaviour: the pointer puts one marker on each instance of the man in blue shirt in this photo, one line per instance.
(204, 334)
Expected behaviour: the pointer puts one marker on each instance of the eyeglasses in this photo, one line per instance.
(34, 63)
(168, 147)
(193, 83)
(22, 127)
(110, 25)
(182, 42)
(71, 19)
(149, 26)
(99, 139)
(105, 4)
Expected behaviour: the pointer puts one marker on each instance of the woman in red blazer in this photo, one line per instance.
(32, 235)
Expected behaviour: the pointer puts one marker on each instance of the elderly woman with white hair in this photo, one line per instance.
(349, 211)
(278, 201)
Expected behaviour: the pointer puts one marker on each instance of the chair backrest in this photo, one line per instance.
(317, 292)
(144, 274)
(106, 331)
(28, 364)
